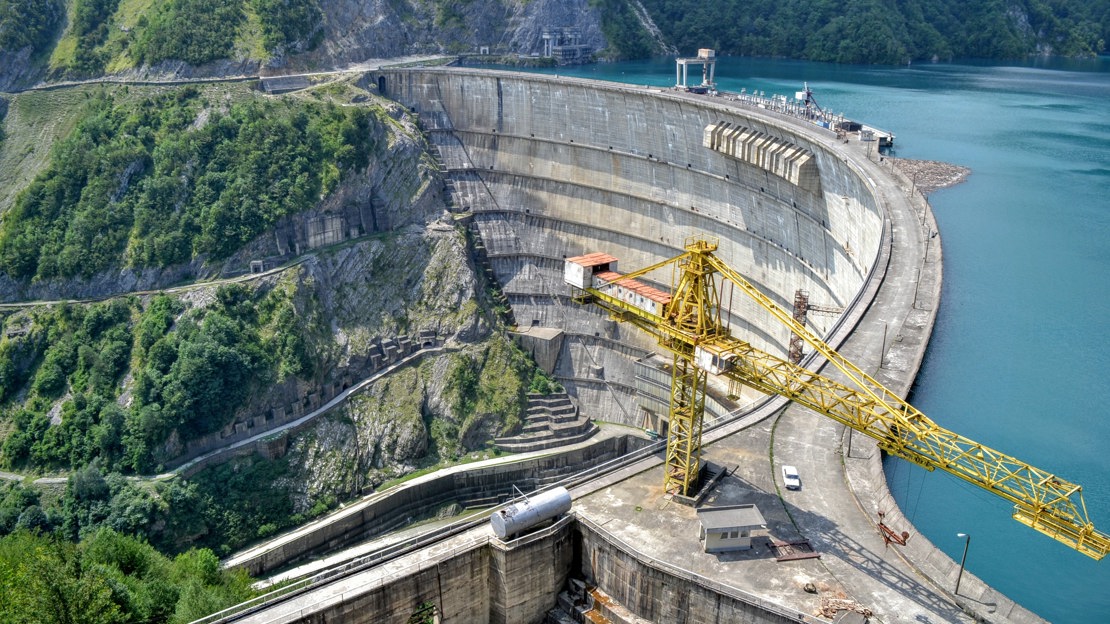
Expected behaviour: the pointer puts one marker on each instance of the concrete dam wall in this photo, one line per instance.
(551, 167)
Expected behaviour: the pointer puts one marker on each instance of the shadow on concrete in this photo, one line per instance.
(827, 538)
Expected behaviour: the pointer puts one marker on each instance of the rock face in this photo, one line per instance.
(357, 30)
(16, 68)
(414, 281)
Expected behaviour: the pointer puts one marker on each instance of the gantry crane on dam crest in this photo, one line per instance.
(687, 322)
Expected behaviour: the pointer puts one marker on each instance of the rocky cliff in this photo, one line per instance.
(355, 30)
(349, 32)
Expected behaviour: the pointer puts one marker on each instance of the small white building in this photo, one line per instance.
(724, 529)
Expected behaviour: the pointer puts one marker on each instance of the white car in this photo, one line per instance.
(790, 478)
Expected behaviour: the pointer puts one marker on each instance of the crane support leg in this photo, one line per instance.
(684, 435)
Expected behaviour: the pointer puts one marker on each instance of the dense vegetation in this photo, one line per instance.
(192, 370)
(492, 386)
(29, 24)
(168, 178)
(625, 35)
(884, 31)
(222, 508)
(90, 26)
(194, 31)
(249, 498)
(289, 23)
(107, 35)
(109, 578)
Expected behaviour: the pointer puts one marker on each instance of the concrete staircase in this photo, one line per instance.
(552, 420)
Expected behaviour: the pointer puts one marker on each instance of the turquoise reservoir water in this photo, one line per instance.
(1020, 354)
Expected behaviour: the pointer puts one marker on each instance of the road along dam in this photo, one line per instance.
(543, 168)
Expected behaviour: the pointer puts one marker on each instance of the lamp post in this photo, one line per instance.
(967, 542)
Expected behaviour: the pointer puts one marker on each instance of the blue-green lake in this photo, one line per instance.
(1019, 356)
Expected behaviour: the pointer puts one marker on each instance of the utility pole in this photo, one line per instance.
(967, 542)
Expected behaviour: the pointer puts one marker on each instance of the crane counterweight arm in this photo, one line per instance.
(687, 324)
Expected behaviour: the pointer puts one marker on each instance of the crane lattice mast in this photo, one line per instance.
(687, 323)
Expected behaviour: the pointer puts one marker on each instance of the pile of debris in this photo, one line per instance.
(929, 175)
(832, 606)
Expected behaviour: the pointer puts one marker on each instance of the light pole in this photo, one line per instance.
(967, 542)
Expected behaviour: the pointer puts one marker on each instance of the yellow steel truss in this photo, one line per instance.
(1041, 500)
(693, 311)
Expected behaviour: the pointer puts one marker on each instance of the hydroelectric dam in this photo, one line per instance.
(543, 168)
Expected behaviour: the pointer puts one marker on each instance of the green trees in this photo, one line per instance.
(145, 184)
(289, 23)
(194, 379)
(91, 21)
(489, 390)
(109, 578)
(80, 349)
(29, 24)
(884, 31)
(626, 36)
(202, 31)
(193, 369)
(194, 31)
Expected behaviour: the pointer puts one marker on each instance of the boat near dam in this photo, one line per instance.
(542, 169)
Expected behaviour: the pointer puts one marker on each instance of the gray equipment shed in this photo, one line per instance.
(729, 528)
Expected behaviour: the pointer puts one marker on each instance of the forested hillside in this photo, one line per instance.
(105, 393)
(158, 180)
(885, 31)
(214, 37)
(107, 579)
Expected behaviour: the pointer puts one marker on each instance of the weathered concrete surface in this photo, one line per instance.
(552, 167)
(473, 485)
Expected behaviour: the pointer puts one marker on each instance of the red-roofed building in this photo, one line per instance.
(579, 270)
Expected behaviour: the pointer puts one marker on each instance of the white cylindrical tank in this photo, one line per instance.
(520, 517)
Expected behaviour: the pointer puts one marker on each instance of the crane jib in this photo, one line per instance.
(686, 322)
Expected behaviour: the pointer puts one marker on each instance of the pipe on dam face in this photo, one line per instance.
(530, 512)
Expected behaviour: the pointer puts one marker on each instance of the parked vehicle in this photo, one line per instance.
(790, 478)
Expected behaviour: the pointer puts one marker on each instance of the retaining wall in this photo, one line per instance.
(467, 486)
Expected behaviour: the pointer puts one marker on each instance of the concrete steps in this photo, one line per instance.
(550, 421)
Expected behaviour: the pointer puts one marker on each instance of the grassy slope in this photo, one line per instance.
(125, 22)
(34, 122)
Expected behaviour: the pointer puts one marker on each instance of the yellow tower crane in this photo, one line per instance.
(687, 322)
